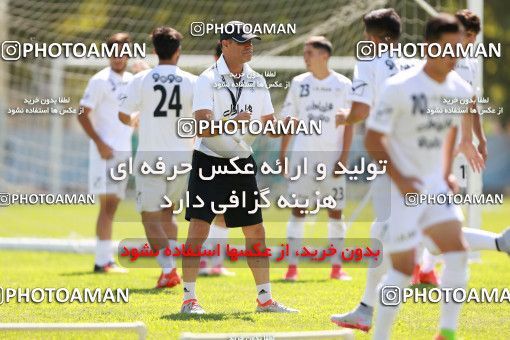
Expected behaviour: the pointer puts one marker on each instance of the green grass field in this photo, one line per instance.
(229, 301)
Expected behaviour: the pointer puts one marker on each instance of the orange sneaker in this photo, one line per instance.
(416, 275)
(338, 274)
(429, 278)
(169, 280)
(292, 274)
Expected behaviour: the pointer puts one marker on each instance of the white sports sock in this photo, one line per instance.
(376, 271)
(172, 244)
(189, 291)
(295, 232)
(104, 252)
(386, 314)
(455, 275)
(218, 235)
(264, 292)
(336, 236)
(428, 261)
(478, 239)
(167, 263)
(374, 277)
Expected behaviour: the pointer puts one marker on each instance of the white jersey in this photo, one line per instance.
(104, 93)
(162, 95)
(311, 99)
(469, 70)
(369, 77)
(216, 91)
(415, 136)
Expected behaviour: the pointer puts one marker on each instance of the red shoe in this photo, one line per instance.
(429, 278)
(169, 280)
(338, 274)
(416, 275)
(292, 274)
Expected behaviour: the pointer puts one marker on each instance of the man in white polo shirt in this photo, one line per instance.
(110, 144)
(242, 96)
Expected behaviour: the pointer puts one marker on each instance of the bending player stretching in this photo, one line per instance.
(318, 95)
(161, 95)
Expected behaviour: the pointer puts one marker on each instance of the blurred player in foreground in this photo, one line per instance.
(402, 132)
(383, 26)
(110, 143)
(468, 69)
(318, 95)
(161, 95)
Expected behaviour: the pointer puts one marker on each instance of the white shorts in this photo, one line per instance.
(100, 180)
(306, 186)
(151, 189)
(403, 230)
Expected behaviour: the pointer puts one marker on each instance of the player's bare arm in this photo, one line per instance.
(132, 120)
(448, 149)
(208, 115)
(466, 146)
(358, 113)
(478, 130)
(105, 150)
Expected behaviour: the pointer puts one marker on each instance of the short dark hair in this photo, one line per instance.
(217, 49)
(383, 23)
(166, 41)
(469, 20)
(120, 38)
(439, 25)
(320, 42)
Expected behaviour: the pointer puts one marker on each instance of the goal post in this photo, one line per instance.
(138, 327)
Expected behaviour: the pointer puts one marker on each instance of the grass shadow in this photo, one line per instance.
(299, 281)
(79, 273)
(245, 316)
(153, 291)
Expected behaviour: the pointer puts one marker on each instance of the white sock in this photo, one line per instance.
(218, 235)
(336, 236)
(264, 292)
(167, 263)
(376, 271)
(295, 232)
(374, 277)
(386, 314)
(428, 261)
(104, 252)
(455, 275)
(189, 291)
(172, 244)
(478, 239)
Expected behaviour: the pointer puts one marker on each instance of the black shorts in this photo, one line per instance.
(219, 190)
